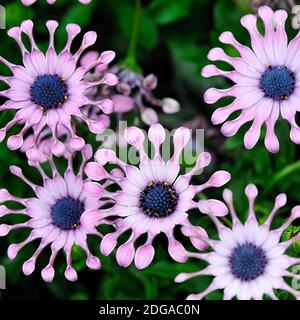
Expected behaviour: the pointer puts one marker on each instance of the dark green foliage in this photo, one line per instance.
(173, 42)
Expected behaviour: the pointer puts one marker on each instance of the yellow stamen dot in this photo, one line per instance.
(42, 108)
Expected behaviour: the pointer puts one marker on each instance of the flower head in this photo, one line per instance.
(154, 197)
(50, 90)
(133, 92)
(266, 80)
(30, 2)
(249, 260)
(60, 214)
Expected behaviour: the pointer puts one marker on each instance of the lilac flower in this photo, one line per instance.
(60, 214)
(30, 2)
(49, 90)
(45, 144)
(154, 197)
(266, 80)
(249, 260)
(133, 92)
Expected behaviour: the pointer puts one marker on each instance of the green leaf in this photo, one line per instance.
(165, 12)
(217, 295)
(16, 14)
(227, 17)
(149, 33)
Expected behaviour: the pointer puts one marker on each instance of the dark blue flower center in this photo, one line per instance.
(49, 91)
(158, 199)
(66, 213)
(278, 82)
(248, 262)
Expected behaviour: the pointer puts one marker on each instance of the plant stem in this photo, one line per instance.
(130, 61)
